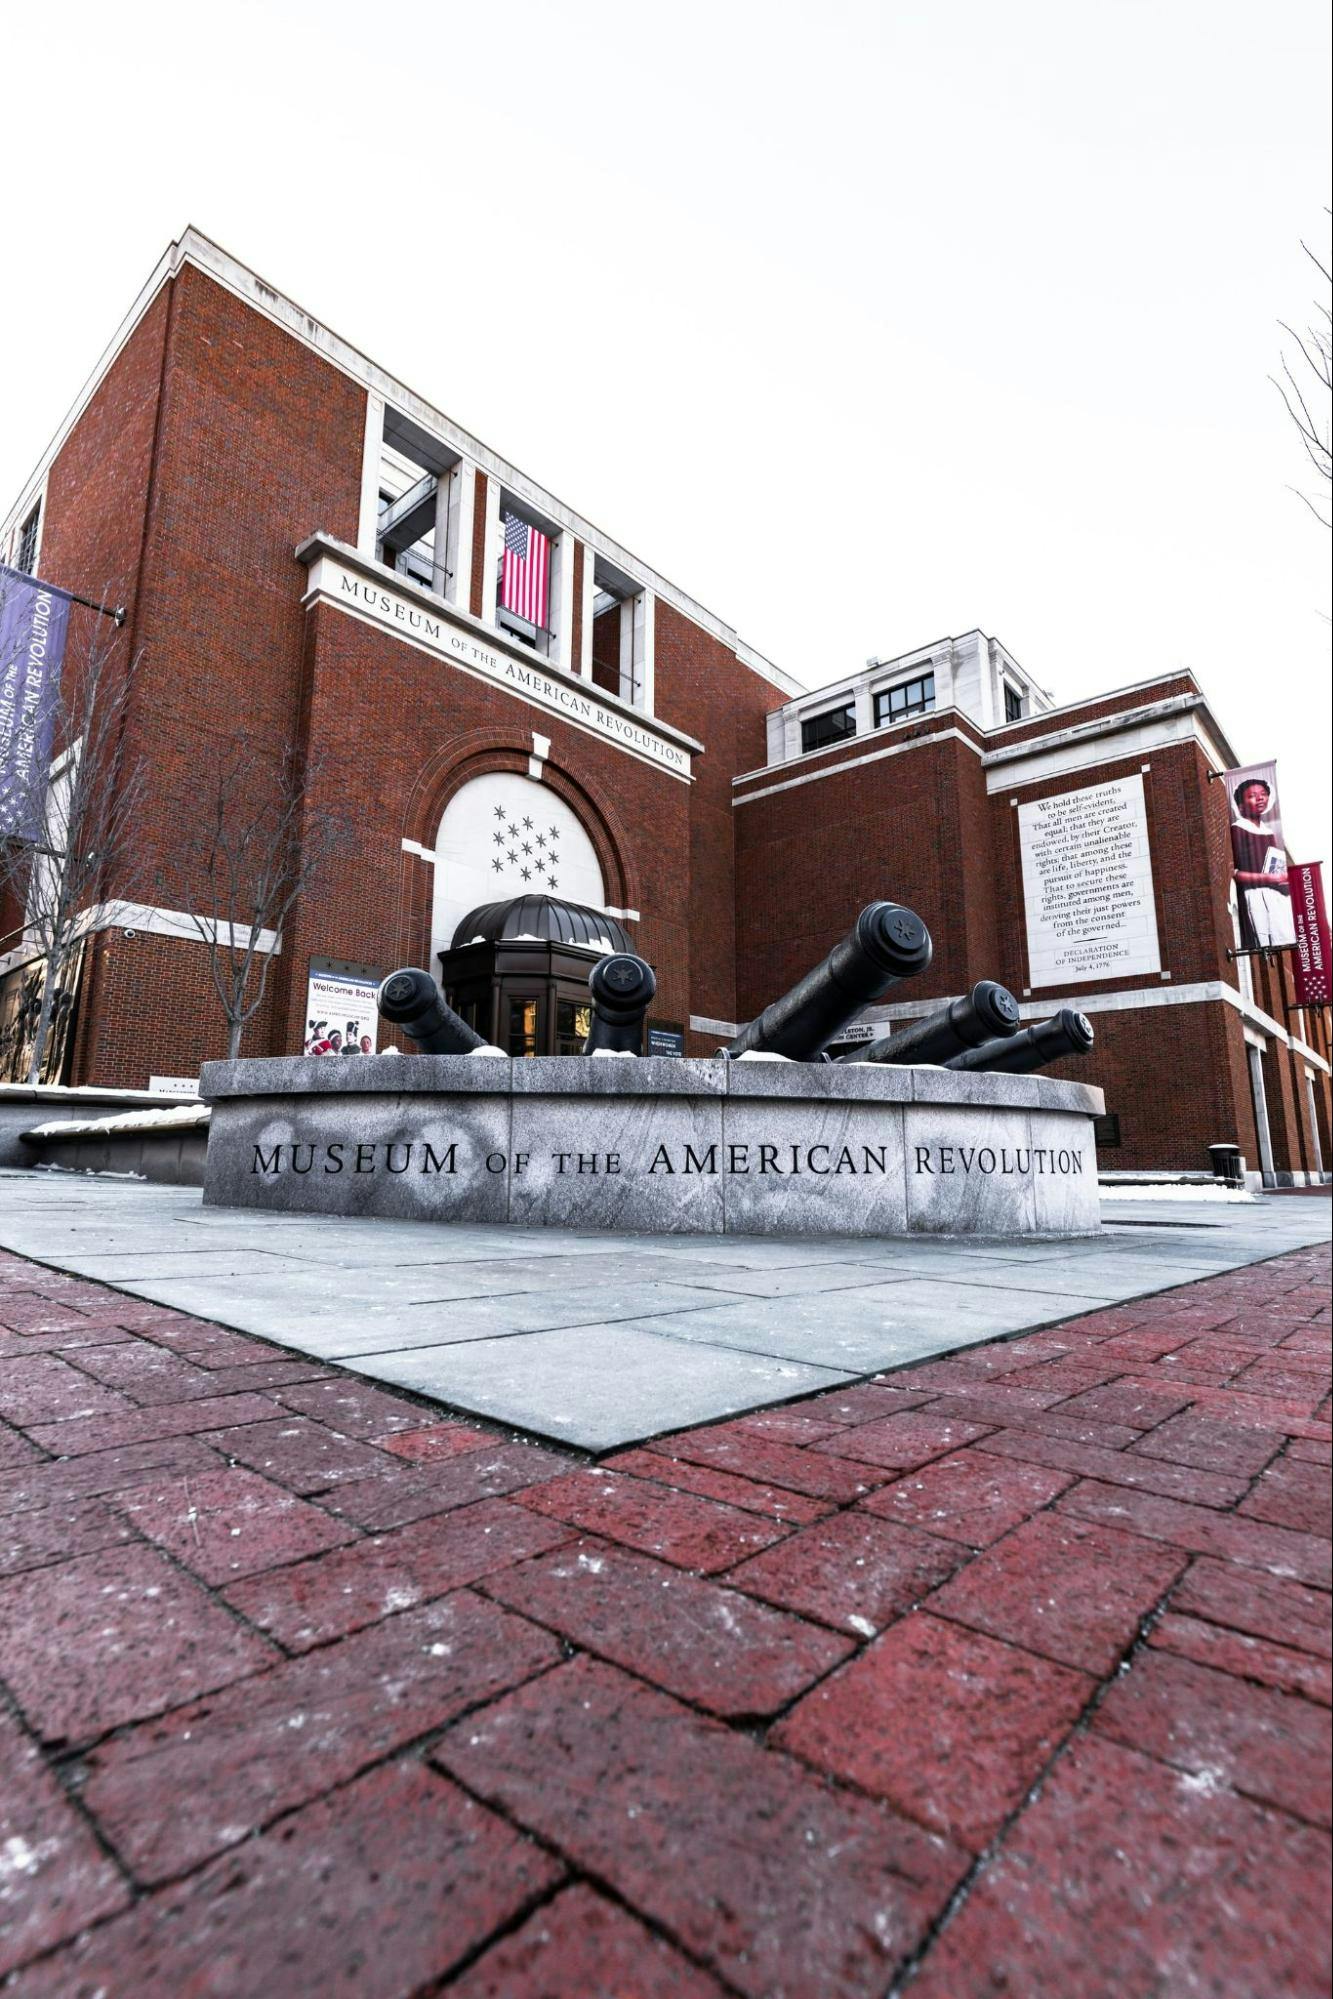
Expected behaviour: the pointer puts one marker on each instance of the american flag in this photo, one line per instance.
(525, 577)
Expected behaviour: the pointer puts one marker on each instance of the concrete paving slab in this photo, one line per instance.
(598, 1386)
(340, 1327)
(860, 1332)
(126, 1267)
(533, 1327)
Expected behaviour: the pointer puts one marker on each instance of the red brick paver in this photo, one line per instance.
(1009, 1673)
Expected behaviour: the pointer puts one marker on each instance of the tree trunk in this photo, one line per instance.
(234, 1040)
(43, 1018)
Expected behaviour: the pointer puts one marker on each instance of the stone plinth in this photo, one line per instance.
(25, 1105)
(659, 1145)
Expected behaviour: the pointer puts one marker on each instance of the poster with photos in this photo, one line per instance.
(341, 1015)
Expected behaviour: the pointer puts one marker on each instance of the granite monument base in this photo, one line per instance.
(659, 1145)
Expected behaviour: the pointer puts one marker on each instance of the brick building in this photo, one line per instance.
(309, 555)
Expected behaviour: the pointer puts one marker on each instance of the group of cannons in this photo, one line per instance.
(887, 944)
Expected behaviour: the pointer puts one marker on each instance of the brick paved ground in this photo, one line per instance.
(1006, 1674)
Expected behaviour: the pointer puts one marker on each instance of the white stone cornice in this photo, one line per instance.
(849, 763)
(147, 919)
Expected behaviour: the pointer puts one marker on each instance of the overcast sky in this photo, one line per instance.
(866, 324)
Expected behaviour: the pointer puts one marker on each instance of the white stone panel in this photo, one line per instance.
(1088, 886)
(504, 835)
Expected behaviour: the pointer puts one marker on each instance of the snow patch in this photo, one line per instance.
(17, 1857)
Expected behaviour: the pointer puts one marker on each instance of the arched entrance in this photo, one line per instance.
(519, 914)
(501, 836)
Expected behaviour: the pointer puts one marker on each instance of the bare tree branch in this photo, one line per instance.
(88, 805)
(1314, 346)
(249, 851)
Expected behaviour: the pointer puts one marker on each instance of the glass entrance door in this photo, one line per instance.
(525, 1023)
(533, 1016)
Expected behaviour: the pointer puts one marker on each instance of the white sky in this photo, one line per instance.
(864, 323)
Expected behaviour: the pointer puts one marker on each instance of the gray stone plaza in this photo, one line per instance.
(601, 1338)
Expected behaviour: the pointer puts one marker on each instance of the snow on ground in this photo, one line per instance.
(1211, 1191)
(179, 1117)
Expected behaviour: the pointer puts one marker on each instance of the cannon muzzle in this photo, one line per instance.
(988, 1013)
(887, 943)
(1036, 1047)
(622, 989)
(410, 999)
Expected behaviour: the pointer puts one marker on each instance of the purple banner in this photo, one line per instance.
(1313, 945)
(33, 622)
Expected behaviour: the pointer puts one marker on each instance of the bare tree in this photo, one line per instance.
(252, 845)
(1309, 380)
(84, 810)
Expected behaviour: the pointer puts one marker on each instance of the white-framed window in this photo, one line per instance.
(830, 725)
(422, 492)
(1015, 707)
(529, 576)
(915, 696)
(525, 577)
(28, 542)
(405, 533)
(620, 634)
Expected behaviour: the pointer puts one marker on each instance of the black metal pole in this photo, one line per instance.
(117, 616)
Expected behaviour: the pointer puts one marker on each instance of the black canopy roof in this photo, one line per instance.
(543, 917)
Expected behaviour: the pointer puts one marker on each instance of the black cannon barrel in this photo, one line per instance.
(1067, 1033)
(988, 1013)
(886, 943)
(622, 989)
(410, 999)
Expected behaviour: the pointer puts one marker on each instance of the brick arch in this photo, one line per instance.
(475, 753)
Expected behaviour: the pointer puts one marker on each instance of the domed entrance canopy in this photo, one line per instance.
(540, 919)
(517, 971)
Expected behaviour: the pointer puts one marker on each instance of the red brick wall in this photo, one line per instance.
(392, 765)
(215, 444)
(1176, 1078)
(95, 518)
(809, 857)
(1169, 689)
(148, 1006)
(97, 491)
(703, 688)
(260, 442)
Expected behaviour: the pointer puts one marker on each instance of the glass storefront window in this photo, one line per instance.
(523, 1027)
(571, 1027)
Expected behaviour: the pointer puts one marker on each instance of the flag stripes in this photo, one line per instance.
(525, 571)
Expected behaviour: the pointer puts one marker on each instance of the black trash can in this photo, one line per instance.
(1228, 1166)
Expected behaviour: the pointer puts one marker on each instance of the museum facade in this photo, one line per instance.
(313, 559)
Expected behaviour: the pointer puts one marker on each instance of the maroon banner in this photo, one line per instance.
(1312, 938)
